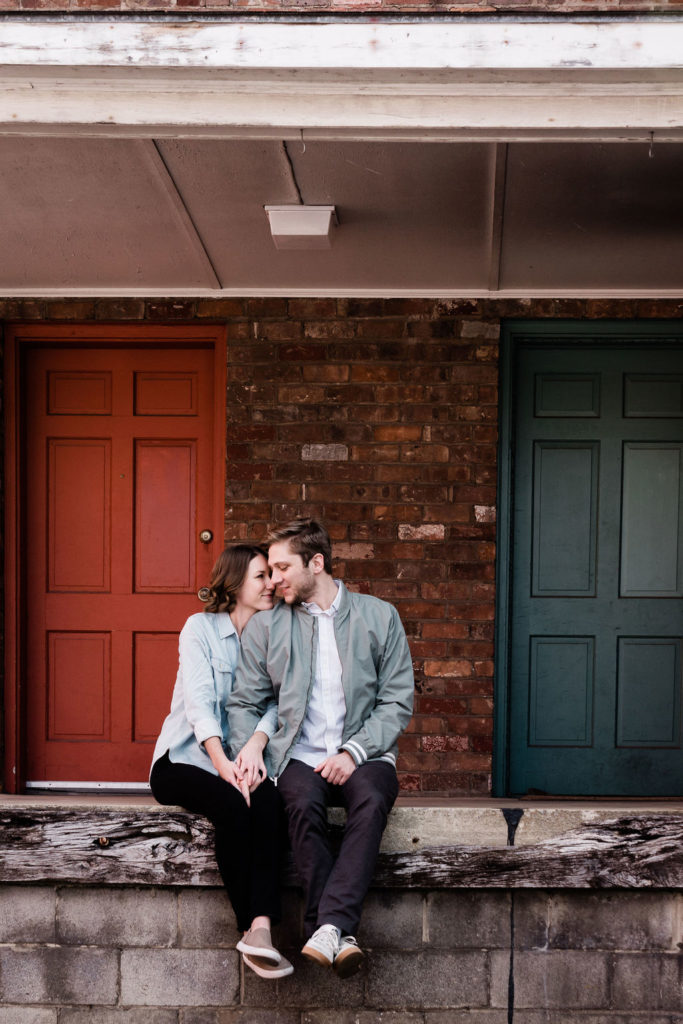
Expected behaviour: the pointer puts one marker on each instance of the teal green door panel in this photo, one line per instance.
(595, 612)
(564, 490)
(652, 542)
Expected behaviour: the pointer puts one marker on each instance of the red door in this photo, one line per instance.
(120, 481)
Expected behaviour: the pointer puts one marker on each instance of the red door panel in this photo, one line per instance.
(119, 482)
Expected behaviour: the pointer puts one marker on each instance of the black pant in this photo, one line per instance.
(334, 890)
(249, 841)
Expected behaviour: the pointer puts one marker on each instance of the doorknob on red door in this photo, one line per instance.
(206, 536)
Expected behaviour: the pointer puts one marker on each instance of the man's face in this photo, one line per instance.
(294, 581)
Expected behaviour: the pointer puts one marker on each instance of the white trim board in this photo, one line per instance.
(427, 80)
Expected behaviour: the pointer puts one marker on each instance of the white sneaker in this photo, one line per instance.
(349, 957)
(323, 945)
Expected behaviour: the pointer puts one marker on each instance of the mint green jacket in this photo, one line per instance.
(278, 657)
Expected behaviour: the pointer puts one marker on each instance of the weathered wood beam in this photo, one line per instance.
(176, 848)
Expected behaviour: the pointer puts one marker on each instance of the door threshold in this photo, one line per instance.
(58, 786)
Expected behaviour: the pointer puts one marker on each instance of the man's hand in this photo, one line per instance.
(250, 760)
(337, 769)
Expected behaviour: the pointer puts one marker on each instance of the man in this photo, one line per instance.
(340, 668)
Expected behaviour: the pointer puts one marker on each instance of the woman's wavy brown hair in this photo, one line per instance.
(227, 575)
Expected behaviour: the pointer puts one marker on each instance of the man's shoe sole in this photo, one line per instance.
(315, 956)
(347, 962)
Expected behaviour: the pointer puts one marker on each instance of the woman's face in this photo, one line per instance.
(256, 592)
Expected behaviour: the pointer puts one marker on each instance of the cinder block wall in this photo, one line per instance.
(119, 955)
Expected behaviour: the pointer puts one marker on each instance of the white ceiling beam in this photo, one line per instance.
(280, 104)
(615, 80)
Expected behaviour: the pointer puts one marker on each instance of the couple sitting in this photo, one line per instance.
(310, 699)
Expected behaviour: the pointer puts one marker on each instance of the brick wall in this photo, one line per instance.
(380, 417)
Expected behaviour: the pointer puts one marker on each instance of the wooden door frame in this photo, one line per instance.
(18, 338)
(513, 332)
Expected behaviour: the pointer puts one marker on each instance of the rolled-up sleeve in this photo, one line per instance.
(199, 690)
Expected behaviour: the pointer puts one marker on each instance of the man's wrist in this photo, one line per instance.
(261, 738)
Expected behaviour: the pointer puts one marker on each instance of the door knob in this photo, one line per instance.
(206, 536)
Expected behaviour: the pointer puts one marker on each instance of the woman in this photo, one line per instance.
(191, 766)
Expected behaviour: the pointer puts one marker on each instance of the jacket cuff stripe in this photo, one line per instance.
(356, 751)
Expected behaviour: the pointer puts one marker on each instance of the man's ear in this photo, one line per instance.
(317, 562)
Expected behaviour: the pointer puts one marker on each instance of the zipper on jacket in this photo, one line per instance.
(314, 657)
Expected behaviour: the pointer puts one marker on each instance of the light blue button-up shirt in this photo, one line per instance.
(208, 652)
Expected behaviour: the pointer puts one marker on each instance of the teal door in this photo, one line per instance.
(596, 617)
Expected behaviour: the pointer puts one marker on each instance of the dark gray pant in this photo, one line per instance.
(334, 890)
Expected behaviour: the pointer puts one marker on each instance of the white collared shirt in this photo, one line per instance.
(321, 733)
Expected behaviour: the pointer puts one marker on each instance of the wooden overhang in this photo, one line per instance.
(472, 155)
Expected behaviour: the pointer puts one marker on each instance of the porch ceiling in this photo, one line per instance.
(85, 215)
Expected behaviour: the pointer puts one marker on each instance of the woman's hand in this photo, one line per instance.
(250, 760)
(227, 769)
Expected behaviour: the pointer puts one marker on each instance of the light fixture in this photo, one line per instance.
(301, 227)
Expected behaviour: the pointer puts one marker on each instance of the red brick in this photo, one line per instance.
(169, 309)
(301, 393)
(267, 307)
(304, 308)
(374, 453)
(70, 309)
(279, 330)
(373, 373)
(220, 308)
(397, 433)
(326, 372)
(408, 783)
(423, 724)
(298, 354)
(445, 630)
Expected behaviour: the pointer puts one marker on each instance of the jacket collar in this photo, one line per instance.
(343, 609)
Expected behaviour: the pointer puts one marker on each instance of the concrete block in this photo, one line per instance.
(179, 977)
(612, 920)
(54, 974)
(429, 979)
(648, 982)
(392, 919)
(416, 828)
(102, 916)
(362, 1017)
(580, 1017)
(530, 919)
(552, 980)
(28, 1015)
(205, 918)
(466, 1017)
(464, 919)
(240, 1015)
(248, 1015)
(310, 986)
(28, 913)
(117, 1015)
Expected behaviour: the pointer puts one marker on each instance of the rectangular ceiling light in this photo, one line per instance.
(301, 227)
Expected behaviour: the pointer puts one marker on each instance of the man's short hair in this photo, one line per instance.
(306, 538)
